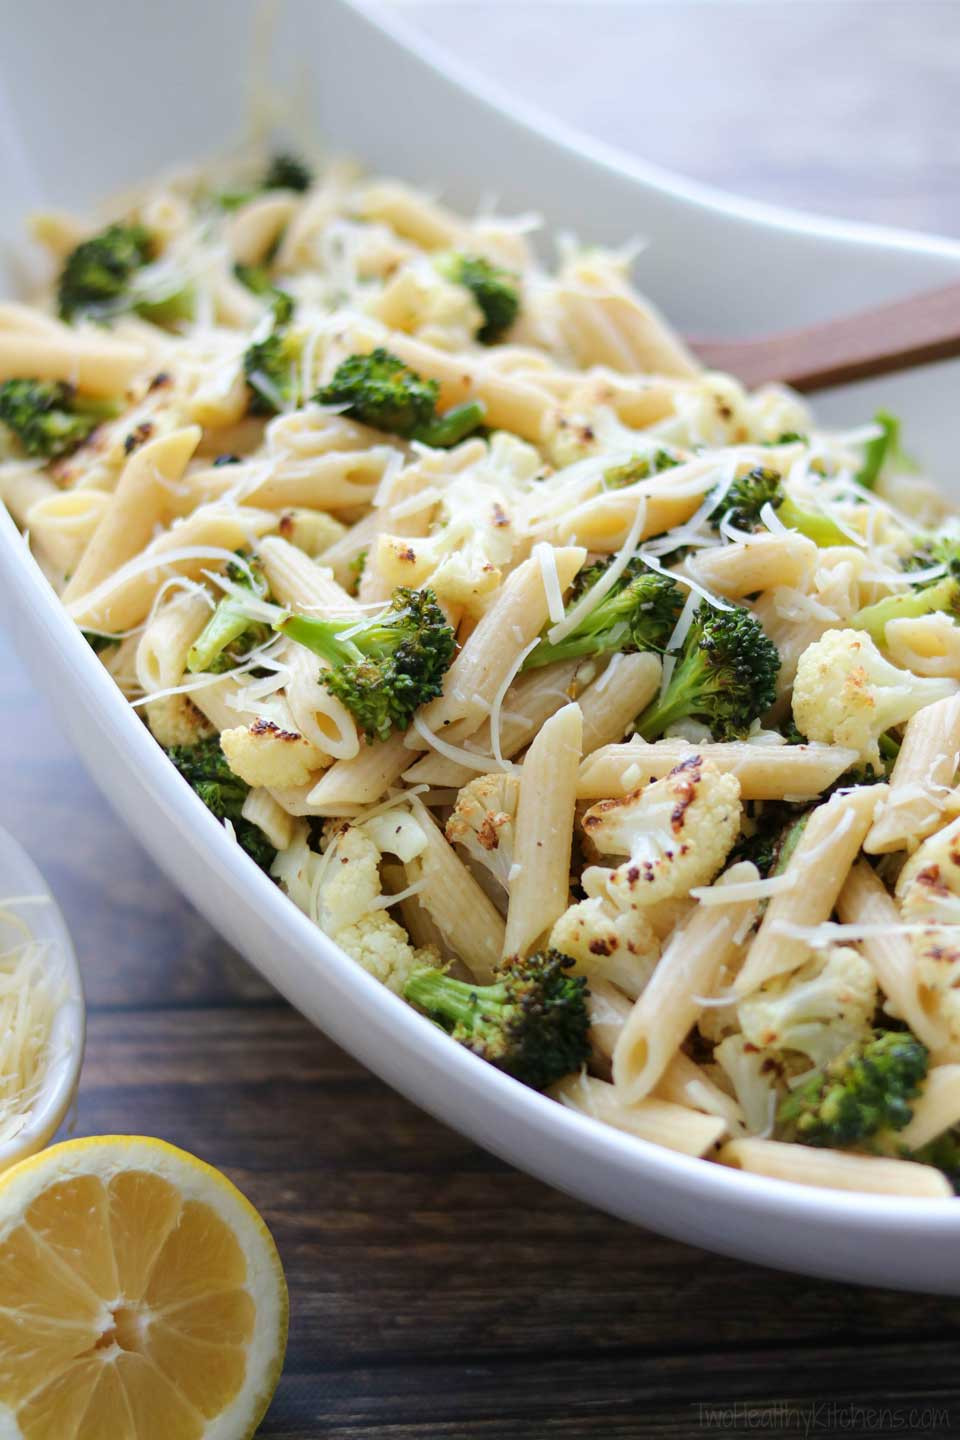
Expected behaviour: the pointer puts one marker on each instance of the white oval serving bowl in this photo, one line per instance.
(22, 884)
(715, 264)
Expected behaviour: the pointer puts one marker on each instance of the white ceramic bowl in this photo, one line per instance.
(716, 265)
(19, 878)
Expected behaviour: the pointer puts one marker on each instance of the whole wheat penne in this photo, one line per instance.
(468, 921)
(660, 1121)
(140, 503)
(765, 772)
(921, 797)
(865, 900)
(835, 1169)
(760, 563)
(540, 881)
(818, 868)
(611, 703)
(685, 1083)
(686, 974)
(514, 619)
(935, 1110)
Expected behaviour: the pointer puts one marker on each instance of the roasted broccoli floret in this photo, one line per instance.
(272, 369)
(864, 1091)
(48, 417)
(884, 448)
(746, 497)
(772, 844)
(356, 568)
(922, 600)
(379, 390)
(205, 769)
(637, 613)
(943, 1153)
(725, 676)
(640, 467)
(532, 1022)
(101, 278)
(97, 273)
(494, 289)
(386, 669)
(288, 172)
(230, 634)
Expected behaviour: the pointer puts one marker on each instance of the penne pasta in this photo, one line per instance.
(835, 1170)
(765, 772)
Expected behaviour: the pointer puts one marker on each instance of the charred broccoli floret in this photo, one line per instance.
(101, 278)
(230, 634)
(494, 289)
(864, 1091)
(725, 676)
(387, 668)
(637, 613)
(532, 1022)
(96, 274)
(380, 390)
(287, 171)
(205, 769)
(272, 368)
(745, 498)
(48, 417)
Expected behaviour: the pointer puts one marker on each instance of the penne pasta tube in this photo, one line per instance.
(865, 900)
(255, 228)
(95, 364)
(765, 772)
(62, 523)
(166, 641)
(543, 833)
(921, 796)
(659, 1121)
(514, 619)
(835, 1170)
(763, 562)
(23, 485)
(262, 810)
(609, 1012)
(936, 1110)
(684, 1083)
(189, 548)
(466, 918)
(410, 214)
(531, 699)
(363, 778)
(332, 481)
(605, 322)
(686, 972)
(319, 716)
(300, 582)
(14, 316)
(818, 868)
(141, 502)
(611, 703)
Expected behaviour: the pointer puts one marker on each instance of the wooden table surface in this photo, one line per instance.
(436, 1293)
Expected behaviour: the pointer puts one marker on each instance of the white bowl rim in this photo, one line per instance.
(19, 876)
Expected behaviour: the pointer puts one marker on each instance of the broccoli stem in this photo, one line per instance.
(680, 699)
(225, 625)
(452, 1002)
(883, 446)
(323, 638)
(944, 595)
(453, 426)
(818, 528)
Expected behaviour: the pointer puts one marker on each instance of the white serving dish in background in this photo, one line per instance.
(21, 881)
(150, 86)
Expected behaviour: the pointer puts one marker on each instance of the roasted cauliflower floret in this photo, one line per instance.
(755, 1077)
(817, 1010)
(676, 832)
(341, 890)
(616, 945)
(175, 720)
(928, 886)
(482, 823)
(263, 753)
(846, 693)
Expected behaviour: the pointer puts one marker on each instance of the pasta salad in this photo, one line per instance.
(604, 711)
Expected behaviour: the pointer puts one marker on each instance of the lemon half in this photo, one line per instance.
(141, 1297)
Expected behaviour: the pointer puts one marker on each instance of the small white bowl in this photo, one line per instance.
(19, 877)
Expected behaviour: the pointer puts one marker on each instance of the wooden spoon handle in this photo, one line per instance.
(888, 338)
